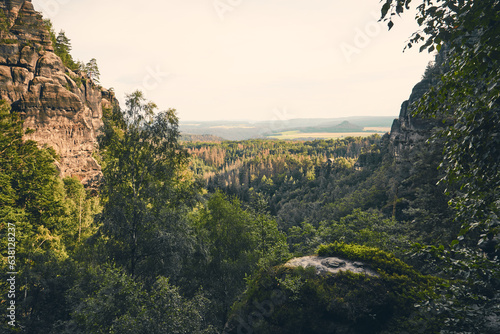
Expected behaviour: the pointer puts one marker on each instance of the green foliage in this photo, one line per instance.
(77, 79)
(339, 203)
(62, 47)
(82, 207)
(233, 244)
(421, 201)
(107, 300)
(381, 261)
(297, 300)
(369, 228)
(471, 160)
(55, 226)
(4, 24)
(469, 301)
(468, 95)
(146, 189)
(296, 178)
(92, 70)
(32, 197)
(9, 41)
(46, 217)
(384, 205)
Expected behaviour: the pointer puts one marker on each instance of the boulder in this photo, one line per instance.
(348, 289)
(333, 265)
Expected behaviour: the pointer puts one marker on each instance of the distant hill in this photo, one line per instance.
(201, 138)
(345, 126)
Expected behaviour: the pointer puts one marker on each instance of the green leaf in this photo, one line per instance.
(385, 8)
(399, 9)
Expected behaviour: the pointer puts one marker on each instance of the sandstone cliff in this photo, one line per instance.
(64, 108)
(407, 131)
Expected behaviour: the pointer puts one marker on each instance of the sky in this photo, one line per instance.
(246, 59)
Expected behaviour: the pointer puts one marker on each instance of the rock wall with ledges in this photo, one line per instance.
(407, 131)
(63, 107)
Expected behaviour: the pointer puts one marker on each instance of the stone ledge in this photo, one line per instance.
(333, 265)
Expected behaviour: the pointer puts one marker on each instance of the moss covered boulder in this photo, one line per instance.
(380, 297)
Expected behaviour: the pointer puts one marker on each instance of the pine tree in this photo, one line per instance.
(92, 70)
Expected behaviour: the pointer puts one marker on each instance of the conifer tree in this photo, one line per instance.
(92, 70)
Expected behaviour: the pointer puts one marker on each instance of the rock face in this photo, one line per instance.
(332, 265)
(408, 130)
(64, 108)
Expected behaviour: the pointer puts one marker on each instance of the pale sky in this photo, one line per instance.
(246, 59)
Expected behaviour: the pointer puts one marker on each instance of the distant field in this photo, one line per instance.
(232, 127)
(320, 135)
(304, 127)
(378, 129)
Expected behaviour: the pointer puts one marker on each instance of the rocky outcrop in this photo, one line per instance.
(333, 265)
(63, 107)
(408, 130)
(347, 289)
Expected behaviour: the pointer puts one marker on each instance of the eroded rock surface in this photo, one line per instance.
(331, 265)
(64, 108)
(408, 130)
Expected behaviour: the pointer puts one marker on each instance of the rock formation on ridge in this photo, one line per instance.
(408, 130)
(63, 107)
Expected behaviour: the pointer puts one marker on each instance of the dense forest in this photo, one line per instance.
(324, 184)
(190, 234)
